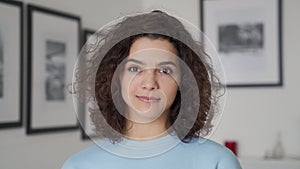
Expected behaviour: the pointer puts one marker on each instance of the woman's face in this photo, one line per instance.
(149, 81)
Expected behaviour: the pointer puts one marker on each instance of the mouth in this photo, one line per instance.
(148, 99)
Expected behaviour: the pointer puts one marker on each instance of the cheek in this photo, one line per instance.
(173, 90)
(128, 86)
(170, 90)
(124, 88)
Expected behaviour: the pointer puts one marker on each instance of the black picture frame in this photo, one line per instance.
(87, 131)
(53, 45)
(11, 63)
(248, 37)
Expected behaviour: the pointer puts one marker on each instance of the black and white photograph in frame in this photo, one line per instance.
(11, 26)
(53, 46)
(247, 37)
(55, 71)
(87, 127)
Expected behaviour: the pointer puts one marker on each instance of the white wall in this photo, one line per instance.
(252, 115)
(189, 10)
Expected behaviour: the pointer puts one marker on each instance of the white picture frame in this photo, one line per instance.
(247, 35)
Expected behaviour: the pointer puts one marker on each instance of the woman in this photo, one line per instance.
(156, 95)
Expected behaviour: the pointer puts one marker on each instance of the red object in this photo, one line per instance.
(232, 145)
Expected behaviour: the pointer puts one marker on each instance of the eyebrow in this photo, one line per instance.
(134, 60)
(167, 63)
(142, 63)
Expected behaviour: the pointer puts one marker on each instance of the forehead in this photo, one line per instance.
(152, 50)
(147, 43)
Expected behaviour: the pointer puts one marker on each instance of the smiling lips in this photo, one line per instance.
(148, 99)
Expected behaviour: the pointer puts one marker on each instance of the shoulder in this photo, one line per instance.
(212, 154)
(83, 158)
(206, 145)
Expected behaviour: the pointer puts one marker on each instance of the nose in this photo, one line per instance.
(149, 81)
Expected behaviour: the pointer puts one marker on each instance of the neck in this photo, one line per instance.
(146, 131)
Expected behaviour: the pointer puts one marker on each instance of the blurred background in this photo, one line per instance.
(253, 116)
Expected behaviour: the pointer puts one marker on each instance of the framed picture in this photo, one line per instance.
(53, 46)
(87, 127)
(247, 36)
(11, 61)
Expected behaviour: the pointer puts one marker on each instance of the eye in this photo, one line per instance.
(166, 70)
(133, 69)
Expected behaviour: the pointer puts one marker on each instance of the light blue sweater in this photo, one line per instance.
(166, 152)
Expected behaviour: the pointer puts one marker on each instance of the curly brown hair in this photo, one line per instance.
(112, 47)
